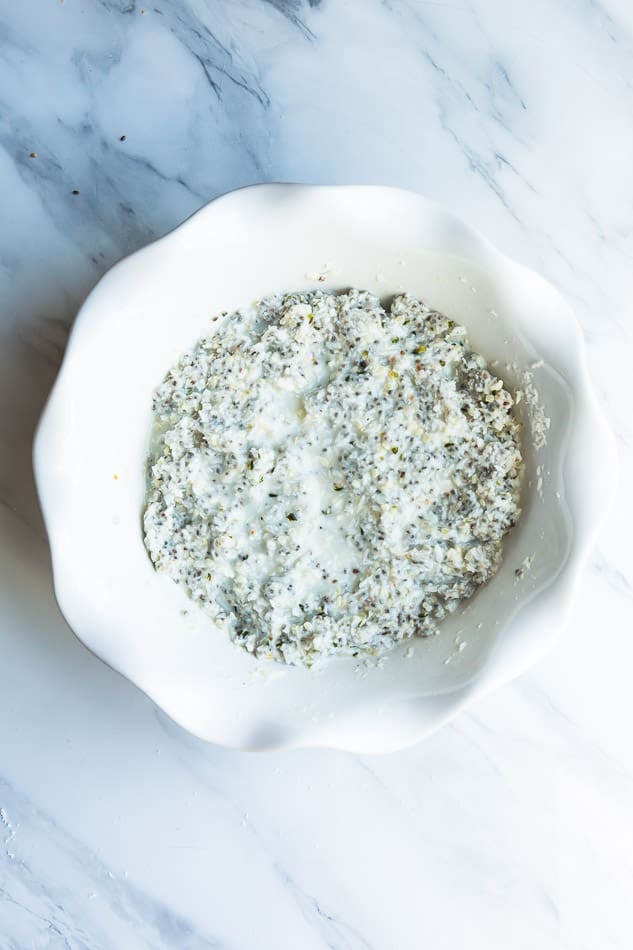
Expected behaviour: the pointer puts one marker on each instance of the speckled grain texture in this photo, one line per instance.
(332, 476)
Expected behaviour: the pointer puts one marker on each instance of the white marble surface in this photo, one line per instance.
(513, 827)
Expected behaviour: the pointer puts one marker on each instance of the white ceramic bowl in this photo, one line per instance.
(92, 441)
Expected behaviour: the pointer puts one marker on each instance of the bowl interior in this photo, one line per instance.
(93, 443)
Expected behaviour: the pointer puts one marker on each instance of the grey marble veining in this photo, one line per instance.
(513, 826)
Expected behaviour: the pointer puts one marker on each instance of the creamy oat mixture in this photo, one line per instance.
(331, 476)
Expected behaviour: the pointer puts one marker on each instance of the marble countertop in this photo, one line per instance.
(512, 827)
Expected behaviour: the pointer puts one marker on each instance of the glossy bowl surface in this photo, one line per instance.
(92, 442)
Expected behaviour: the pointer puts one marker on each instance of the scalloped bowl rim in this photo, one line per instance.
(527, 635)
